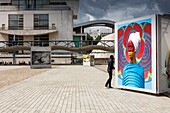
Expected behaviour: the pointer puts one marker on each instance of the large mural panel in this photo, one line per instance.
(134, 41)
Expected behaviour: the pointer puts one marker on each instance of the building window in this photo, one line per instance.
(15, 21)
(41, 40)
(41, 21)
(15, 40)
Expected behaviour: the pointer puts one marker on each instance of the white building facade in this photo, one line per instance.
(37, 20)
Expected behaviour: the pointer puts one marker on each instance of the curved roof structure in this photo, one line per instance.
(107, 23)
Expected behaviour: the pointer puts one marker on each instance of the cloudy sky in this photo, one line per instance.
(118, 10)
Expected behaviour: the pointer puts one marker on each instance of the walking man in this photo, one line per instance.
(110, 67)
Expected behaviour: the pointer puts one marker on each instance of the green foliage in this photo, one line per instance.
(98, 38)
(103, 35)
(89, 37)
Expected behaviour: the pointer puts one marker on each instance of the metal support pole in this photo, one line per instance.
(14, 59)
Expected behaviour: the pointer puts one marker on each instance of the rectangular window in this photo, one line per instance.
(41, 40)
(15, 40)
(41, 21)
(15, 22)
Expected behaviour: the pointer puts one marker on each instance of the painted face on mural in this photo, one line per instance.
(131, 50)
(131, 47)
(134, 41)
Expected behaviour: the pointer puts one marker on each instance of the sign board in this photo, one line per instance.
(88, 60)
(40, 57)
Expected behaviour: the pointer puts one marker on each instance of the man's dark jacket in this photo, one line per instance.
(110, 65)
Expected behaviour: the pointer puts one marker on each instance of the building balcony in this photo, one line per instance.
(28, 31)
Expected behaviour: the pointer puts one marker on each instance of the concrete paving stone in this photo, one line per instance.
(76, 89)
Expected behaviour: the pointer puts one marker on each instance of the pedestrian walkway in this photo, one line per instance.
(10, 67)
(76, 89)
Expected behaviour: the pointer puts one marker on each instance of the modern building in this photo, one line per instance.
(79, 33)
(99, 30)
(101, 56)
(37, 20)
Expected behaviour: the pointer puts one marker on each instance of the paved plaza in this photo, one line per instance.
(76, 89)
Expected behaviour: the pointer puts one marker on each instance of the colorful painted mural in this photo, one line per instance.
(135, 54)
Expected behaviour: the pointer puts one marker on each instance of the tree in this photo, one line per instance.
(89, 37)
(97, 39)
(88, 41)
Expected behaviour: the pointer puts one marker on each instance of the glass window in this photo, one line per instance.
(15, 22)
(41, 21)
(41, 40)
(15, 40)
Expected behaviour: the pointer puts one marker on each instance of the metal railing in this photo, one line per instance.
(66, 46)
(65, 43)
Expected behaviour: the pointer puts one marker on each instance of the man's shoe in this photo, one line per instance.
(110, 87)
(105, 85)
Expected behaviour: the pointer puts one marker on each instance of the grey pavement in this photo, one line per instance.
(76, 89)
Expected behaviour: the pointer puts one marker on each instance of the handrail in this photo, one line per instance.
(73, 49)
(69, 45)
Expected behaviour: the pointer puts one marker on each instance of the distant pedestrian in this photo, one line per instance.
(110, 68)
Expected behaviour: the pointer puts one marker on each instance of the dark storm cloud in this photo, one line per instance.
(94, 7)
(118, 10)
